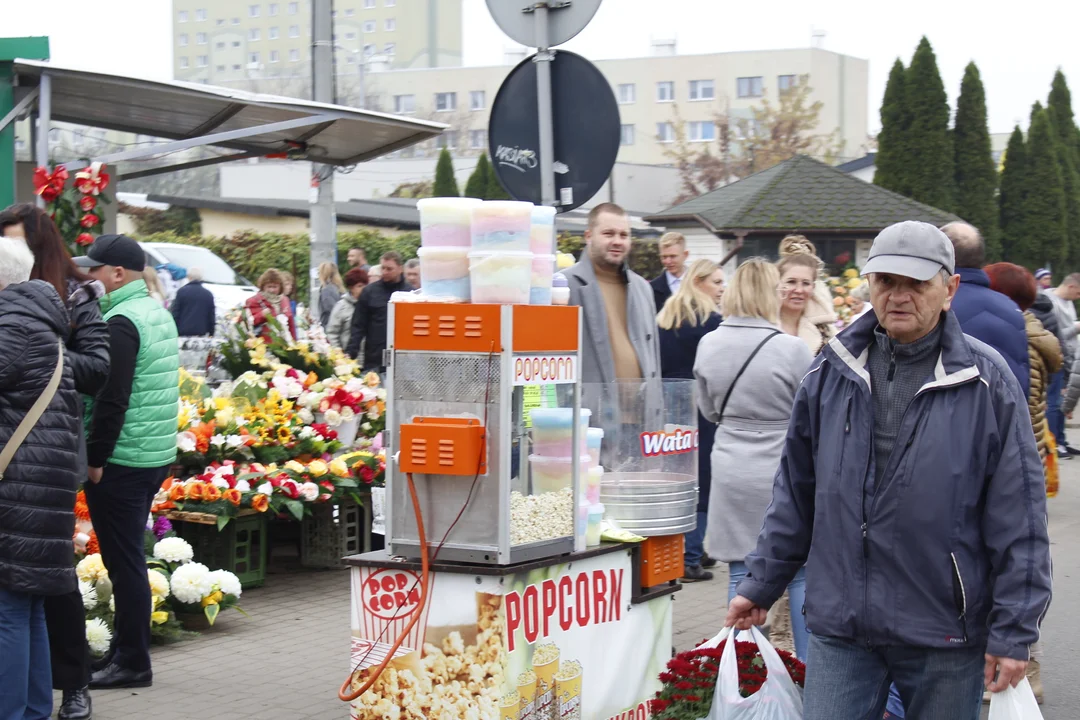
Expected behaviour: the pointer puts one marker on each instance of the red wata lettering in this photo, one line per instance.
(654, 444)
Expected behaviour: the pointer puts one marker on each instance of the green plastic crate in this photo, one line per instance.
(240, 547)
(335, 531)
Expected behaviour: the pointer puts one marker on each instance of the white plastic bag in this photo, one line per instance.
(778, 699)
(1015, 703)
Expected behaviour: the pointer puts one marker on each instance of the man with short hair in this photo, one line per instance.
(983, 313)
(131, 444)
(911, 489)
(412, 273)
(369, 320)
(673, 256)
(357, 258)
(1044, 278)
(193, 307)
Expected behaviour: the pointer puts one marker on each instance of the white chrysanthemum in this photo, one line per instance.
(98, 636)
(306, 416)
(309, 491)
(174, 550)
(354, 386)
(226, 582)
(191, 583)
(306, 432)
(333, 418)
(381, 393)
(89, 595)
(112, 603)
(347, 414)
(91, 569)
(159, 584)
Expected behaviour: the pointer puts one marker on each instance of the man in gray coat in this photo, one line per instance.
(620, 345)
(911, 489)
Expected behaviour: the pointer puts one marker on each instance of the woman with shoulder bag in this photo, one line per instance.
(747, 373)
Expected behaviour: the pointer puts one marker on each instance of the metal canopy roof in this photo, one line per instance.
(251, 123)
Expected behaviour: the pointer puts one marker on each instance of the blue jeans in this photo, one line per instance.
(846, 679)
(26, 685)
(796, 598)
(695, 542)
(1054, 416)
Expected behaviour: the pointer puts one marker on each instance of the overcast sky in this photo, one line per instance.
(1016, 47)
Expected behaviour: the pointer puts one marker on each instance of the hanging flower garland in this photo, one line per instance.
(76, 210)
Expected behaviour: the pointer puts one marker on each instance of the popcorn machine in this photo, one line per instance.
(463, 381)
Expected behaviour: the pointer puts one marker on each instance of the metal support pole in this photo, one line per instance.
(44, 122)
(323, 219)
(544, 56)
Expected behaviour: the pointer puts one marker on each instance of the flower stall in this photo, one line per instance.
(76, 209)
(844, 304)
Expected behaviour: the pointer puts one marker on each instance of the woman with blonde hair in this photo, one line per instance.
(153, 285)
(747, 373)
(686, 317)
(806, 309)
(330, 290)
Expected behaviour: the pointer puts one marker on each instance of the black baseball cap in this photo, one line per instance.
(116, 250)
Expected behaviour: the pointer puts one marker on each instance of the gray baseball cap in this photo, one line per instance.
(911, 248)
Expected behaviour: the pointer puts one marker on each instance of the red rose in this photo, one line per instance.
(366, 474)
(89, 220)
(88, 203)
(84, 239)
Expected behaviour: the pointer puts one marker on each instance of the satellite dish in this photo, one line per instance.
(586, 130)
(517, 19)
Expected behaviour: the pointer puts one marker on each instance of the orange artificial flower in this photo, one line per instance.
(211, 493)
(232, 495)
(196, 491)
(260, 503)
(92, 546)
(168, 483)
(177, 493)
(82, 510)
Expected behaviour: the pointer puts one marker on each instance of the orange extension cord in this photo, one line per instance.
(344, 693)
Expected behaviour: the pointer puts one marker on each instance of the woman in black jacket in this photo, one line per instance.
(687, 316)
(37, 490)
(87, 345)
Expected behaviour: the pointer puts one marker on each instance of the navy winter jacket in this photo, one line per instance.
(987, 315)
(951, 549)
(193, 310)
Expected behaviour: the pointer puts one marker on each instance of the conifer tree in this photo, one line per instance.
(476, 187)
(895, 122)
(1060, 113)
(976, 176)
(929, 157)
(1015, 247)
(445, 183)
(495, 189)
(1044, 217)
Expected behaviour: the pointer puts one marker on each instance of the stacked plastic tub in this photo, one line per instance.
(446, 241)
(551, 463)
(542, 246)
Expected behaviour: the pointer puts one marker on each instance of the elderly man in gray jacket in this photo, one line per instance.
(910, 486)
(620, 345)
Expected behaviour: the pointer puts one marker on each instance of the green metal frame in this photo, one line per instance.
(11, 49)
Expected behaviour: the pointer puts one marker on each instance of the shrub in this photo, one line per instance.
(644, 253)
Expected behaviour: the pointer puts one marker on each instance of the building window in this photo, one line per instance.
(665, 91)
(785, 82)
(274, 33)
(253, 11)
(477, 100)
(236, 66)
(665, 132)
(350, 36)
(389, 48)
(219, 22)
(181, 16)
(477, 139)
(447, 140)
(221, 68)
(253, 58)
(182, 40)
(236, 43)
(219, 46)
(271, 9)
(391, 25)
(749, 87)
(626, 134)
(293, 7)
(351, 60)
(200, 15)
(294, 56)
(368, 4)
(202, 61)
(55, 136)
(404, 103)
(200, 38)
(445, 102)
(275, 56)
(702, 90)
(627, 93)
(184, 63)
(369, 26)
(349, 12)
(370, 49)
(253, 34)
(389, 3)
(704, 131)
(294, 31)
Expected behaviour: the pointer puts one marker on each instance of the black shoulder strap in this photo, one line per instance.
(738, 375)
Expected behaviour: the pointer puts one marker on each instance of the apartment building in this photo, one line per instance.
(652, 93)
(266, 46)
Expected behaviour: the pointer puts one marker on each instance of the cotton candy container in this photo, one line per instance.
(594, 438)
(592, 529)
(552, 431)
(593, 478)
(500, 277)
(444, 272)
(502, 225)
(446, 222)
(552, 474)
(560, 290)
(543, 268)
(542, 235)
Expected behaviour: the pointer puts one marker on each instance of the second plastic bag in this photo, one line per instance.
(1015, 703)
(779, 697)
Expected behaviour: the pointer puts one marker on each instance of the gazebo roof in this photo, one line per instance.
(800, 194)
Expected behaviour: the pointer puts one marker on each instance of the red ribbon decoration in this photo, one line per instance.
(50, 186)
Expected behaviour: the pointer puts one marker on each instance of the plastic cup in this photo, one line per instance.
(592, 529)
(444, 272)
(594, 438)
(500, 278)
(593, 478)
(560, 296)
(542, 234)
(552, 431)
(552, 474)
(543, 268)
(446, 222)
(503, 225)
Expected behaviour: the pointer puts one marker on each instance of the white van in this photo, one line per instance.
(229, 288)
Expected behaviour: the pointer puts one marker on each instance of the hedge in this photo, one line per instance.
(250, 253)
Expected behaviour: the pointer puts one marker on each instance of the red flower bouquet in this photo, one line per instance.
(690, 680)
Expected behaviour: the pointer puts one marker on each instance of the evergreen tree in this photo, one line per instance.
(1015, 245)
(476, 187)
(976, 176)
(929, 158)
(1060, 113)
(895, 121)
(1044, 218)
(445, 183)
(495, 189)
